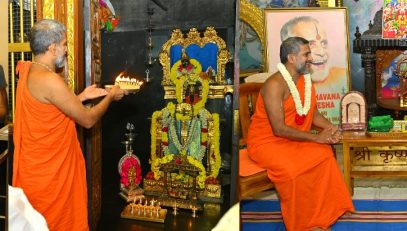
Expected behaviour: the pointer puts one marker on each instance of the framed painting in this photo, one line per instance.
(394, 18)
(326, 30)
(251, 47)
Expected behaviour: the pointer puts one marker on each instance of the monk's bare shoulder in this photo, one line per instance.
(43, 84)
(274, 84)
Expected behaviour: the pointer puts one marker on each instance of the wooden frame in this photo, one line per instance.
(251, 14)
(252, 27)
(327, 31)
(387, 82)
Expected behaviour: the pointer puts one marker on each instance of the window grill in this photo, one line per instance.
(20, 21)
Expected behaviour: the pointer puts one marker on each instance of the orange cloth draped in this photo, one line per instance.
(311, 188)
(48, 161)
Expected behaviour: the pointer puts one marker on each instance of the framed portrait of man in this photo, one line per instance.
(251, 30)
(327, 32)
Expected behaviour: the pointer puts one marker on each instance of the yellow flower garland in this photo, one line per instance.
(155, 167)
(171, 107)
(156, 164)
(179, 79)
(216, 137)
(204, 95)
(202, 175)
(174, 74)
(153, 131)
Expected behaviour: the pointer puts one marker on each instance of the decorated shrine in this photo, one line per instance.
(185, 156)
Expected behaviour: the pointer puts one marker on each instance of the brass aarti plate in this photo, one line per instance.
(132, 91)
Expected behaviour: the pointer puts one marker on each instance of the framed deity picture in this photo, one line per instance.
(327, 32)
(394, 18)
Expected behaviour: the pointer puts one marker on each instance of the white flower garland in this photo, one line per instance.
(294, 91)
(174, 137)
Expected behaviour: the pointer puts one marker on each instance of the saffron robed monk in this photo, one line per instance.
(299, 162)
(48, 161)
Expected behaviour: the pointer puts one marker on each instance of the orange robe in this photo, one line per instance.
(48, 161)
(310, 186)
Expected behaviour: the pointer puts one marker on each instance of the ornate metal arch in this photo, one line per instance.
(218, 88)
(254, 17)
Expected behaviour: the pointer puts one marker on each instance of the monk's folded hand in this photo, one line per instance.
(334, 129)
(336, 134)
(325, 136)
(335, 139)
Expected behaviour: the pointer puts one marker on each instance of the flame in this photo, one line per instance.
(122, 78)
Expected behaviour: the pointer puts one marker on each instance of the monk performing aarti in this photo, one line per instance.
(48, 162)
(299, 162)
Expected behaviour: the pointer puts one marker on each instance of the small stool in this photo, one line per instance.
(252, 178)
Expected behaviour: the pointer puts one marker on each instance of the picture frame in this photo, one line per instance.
(327, 31)
(251, 49)
(252, 45)
(393, 19)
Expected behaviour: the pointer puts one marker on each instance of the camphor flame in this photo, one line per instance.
(127, 80)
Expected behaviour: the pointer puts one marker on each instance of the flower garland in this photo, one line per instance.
(169, 129)
(181, 75)
(202, 174)
(165, 121)
(190, 74)
(182, 148)
(153, 133)
(157, 162)
(177, 70)
(216, 154)
(179, 86)
(301, 110)
(204, 133)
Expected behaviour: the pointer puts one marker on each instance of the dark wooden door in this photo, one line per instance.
(93, 136)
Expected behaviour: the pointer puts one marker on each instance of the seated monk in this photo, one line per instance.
(300, 163)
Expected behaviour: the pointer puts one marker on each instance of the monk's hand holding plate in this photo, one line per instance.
(116, 93)
(92, 92)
